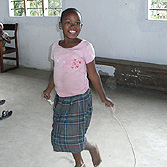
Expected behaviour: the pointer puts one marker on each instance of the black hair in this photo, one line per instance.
(66, 11)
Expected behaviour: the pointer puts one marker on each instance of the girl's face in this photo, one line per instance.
(71, 25)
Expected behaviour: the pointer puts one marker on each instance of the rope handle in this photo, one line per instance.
(50, 102)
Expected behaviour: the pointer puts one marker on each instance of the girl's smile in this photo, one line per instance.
(72, 32)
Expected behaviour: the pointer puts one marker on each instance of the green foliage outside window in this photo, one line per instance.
(19, 8)
(37, 8)
(52, 5)
(158, 9)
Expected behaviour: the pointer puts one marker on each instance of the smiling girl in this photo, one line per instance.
(73, 58)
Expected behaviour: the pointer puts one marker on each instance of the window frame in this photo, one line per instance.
(27, 8)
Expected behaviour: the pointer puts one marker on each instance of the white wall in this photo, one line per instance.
(118, 29)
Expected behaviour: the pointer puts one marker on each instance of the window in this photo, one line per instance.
(157, 9)
(35, 7)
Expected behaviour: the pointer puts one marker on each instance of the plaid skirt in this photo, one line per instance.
(71, 119)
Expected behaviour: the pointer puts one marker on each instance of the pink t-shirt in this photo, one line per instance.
(70, 73)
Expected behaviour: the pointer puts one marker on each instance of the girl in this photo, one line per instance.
(73, 58)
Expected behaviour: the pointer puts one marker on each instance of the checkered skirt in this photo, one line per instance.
(71, 119)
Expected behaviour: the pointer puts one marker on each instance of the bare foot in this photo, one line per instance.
(95, 154)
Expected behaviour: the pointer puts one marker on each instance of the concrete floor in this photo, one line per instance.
(25, 136)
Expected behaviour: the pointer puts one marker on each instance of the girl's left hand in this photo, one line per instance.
(108, 102)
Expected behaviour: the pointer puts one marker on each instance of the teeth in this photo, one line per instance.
(72, 32)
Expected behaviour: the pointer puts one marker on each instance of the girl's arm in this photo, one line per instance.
(96, 81)
(46, 93)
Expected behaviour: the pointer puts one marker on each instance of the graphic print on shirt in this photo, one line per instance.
(75, 64)
(63, 63)
(67, 63)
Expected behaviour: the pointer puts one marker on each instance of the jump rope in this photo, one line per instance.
(121, 125)
(126, 133)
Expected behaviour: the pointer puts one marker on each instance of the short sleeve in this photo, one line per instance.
(89, 55)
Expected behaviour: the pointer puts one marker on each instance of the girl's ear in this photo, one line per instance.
(81, 26)
(60, 25)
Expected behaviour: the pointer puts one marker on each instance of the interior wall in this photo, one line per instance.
(117, 29)
(120, 29)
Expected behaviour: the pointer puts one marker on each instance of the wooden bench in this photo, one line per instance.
(137, 74)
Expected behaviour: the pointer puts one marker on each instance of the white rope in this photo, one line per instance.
(124, 129)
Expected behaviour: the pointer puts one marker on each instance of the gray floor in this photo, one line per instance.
(25, 136)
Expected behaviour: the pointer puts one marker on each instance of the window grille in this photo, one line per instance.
(35, 7)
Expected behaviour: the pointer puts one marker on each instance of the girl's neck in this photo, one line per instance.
(69, 43)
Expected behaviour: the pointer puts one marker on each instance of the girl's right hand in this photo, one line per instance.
(108, 102)
(46, 94)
